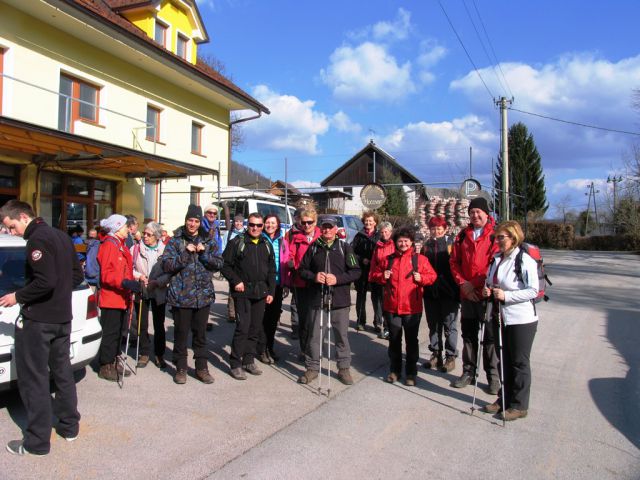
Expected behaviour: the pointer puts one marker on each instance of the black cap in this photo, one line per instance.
(481, 203)
(328, 221)
(194, 211)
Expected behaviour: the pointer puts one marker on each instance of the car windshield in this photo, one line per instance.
(12, 267)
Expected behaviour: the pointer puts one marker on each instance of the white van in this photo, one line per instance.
(243, 202)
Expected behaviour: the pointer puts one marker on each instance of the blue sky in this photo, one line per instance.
(336, 73)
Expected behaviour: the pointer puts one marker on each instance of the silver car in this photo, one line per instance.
(348, 225)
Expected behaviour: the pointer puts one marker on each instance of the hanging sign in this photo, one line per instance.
(373, 196)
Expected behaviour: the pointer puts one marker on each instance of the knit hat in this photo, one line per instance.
(481, 203)
(113, 223)
(210, 207)
(194, 211)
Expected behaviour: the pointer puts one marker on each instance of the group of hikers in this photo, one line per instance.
(479, 273)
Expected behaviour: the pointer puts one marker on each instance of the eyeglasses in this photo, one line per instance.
(307, 222)
(147, 234)
(502, 237)
(327, 226)
(212, 213)
(256, 225)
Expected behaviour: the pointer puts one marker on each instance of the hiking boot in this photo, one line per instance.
(119, 367)
(308, 376)
(385, 334)
(108, 372)
(360, 327)
(494, 386)
(494, 407)
(142, 361)
(204, 376)
(513, 414)
(180, 377)
(160, 363)
(449, 365)
(253, 369)
(238, 374)
(434, 362)
(264, 358)
(377, 329)
(465, 379)
(344, 375)
(410, 381)
(16, 447)
(392, 377)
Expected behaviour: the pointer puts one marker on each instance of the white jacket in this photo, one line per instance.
(518, 307)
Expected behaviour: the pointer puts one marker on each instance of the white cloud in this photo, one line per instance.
(367, 72)
(398, 29)
(207, 3)
(294, 124)
(577, 185)
(341, 122)
(430, 54)
(305, 184)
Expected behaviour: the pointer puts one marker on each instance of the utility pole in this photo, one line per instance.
(504, 154)
(586, 224)
(615, 182)
(595, 206)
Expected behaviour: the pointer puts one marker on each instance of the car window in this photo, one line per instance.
(265, 209)
(351, 221)
(12, 267)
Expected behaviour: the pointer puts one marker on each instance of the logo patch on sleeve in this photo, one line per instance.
(36, 255)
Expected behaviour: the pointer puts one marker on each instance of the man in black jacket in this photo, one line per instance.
(249, 266)
(43, 329)
(329, 265)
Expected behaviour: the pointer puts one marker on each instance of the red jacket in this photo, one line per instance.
(380, 254)
(116, 265)
(470, 259)
(402, 294)
(298, 246)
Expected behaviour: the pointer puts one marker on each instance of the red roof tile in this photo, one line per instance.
(103, 11)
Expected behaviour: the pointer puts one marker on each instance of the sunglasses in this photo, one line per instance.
(502, 237)
(256, 225)
(308, 222)
(212, 213)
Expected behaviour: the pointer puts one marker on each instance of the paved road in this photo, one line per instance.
(583, 420)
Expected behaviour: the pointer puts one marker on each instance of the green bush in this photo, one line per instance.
(626, 243)
(550, 235)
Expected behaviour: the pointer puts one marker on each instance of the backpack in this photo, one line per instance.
(414, 261)
(534, 252)
(92, 266)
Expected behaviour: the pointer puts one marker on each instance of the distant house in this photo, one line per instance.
(105, 107)
(292, 194)
(371, 164)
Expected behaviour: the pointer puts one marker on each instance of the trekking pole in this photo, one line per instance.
(321, 336)
(487, 315)
(501, 363)
(123, 358)
(138, 340)
(329, 301)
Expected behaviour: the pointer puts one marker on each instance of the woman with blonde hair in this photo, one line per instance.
(513, 294)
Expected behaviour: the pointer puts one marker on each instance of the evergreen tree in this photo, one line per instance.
(525, 171)
(396, 203)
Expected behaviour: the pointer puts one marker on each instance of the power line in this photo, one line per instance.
(465, 50)
(576, 123)
(491, 62)
(492, 50)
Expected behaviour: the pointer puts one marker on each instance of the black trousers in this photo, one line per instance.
(304, 298)
(441, 319)
(362, 286)
(41, 348)
(112, 321)
(159, 337)
(411, 325)
(270, 321)
(517, 341)
(194, 319)
(472, 314)
(249, 315)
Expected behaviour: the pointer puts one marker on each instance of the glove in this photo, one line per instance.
(132, 285)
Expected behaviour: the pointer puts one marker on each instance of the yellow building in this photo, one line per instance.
(104, 108)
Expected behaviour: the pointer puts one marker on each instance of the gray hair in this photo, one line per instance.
(385, 225)
(155, 228)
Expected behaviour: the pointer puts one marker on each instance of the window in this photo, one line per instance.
(67, 201)
(9, 183)
(1, 77)
(348, 190)
(196, 138)
(153, 123)
(370, 167)
(160, 34)
(194, 197)
(79, 100)
(181, 46)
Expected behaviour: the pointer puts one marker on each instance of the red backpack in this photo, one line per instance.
(534, 252)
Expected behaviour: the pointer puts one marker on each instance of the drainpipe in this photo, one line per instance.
(231, 124)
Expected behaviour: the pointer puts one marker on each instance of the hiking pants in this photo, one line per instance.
(249, 315)
(339, 332)
(472, 314)
(411, 325)
(442, 318)
(194, 319)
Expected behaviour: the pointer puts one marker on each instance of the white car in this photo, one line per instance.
(86, 331)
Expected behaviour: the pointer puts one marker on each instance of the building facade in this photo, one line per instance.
(105, 108)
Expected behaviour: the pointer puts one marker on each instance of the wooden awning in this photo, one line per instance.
(73, 152)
